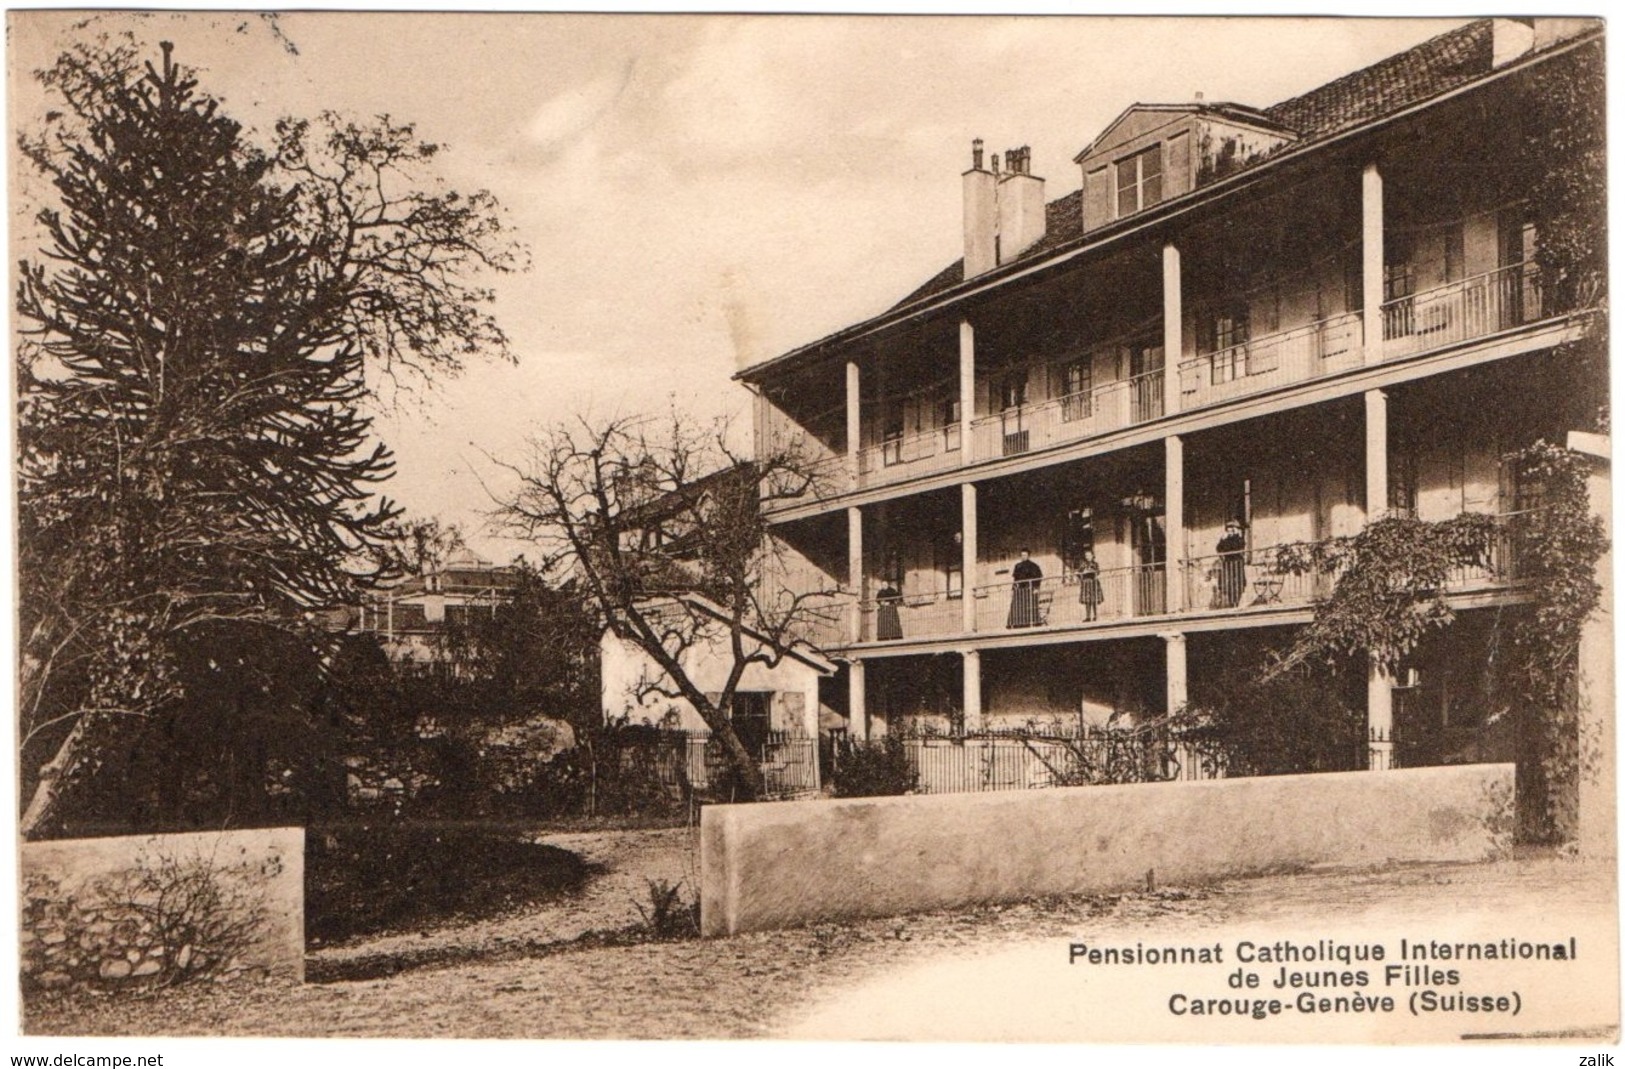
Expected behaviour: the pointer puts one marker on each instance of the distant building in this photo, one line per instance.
(409, 616)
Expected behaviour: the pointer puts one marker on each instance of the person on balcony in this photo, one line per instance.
(1232, 565)
(1090, 593)
(1024, 593)
(888, 622)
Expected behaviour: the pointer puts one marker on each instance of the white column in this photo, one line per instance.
(1371, 260)
(857, 713)
(967, 554)
(1173, 508)
(1376, 455)
(967, 387)
(1173, 327)
(1177, 692)
(1379, 719)
(854, 568)
(973, 690)
(854, 413)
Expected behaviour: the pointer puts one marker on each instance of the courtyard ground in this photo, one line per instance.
(977, 973)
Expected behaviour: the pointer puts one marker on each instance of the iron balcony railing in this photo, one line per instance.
(1458, 311)
(1029, 427)
(915, 616)
(1307, 352)
(1277, 576)
(1071, 600)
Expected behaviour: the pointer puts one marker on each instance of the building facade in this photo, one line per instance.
(1061, 483)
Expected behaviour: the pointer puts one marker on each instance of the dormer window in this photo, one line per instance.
(1139, 181)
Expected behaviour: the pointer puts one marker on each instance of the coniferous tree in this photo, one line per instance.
(197, 329)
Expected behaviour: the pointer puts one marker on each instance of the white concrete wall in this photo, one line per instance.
(775, 866)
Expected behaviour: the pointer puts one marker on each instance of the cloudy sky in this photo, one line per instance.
(703, 192)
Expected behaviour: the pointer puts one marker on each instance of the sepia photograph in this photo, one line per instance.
(1045, 529)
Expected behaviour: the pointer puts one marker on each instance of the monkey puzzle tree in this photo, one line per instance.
(197, 328)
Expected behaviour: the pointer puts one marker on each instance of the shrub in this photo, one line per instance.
(872, 768)
(670, 913)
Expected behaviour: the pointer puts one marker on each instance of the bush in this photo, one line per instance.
(367, 878)
(873, 768)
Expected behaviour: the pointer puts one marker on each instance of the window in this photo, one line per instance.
(1077, 379)
(948, 418)
(951, 564)
(891, 432)
(1227, 332)
(1077, 538)
(1139, 181)
(1013, 390)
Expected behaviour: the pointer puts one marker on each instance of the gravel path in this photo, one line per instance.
(783, 983)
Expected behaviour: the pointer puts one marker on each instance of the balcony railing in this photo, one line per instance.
(1472, 308)
(1499, 565)
(1308, 352)
(916, 616)
(1026, 428)
(1071, 600)
(909, 455)
(1251, 579)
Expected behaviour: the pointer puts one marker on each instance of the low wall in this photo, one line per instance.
(774, 865)
(140, 909)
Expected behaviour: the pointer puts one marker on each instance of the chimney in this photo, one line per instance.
(981, 214)
(1021, 205)
(1509, 39)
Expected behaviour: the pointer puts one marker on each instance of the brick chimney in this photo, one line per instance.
(1004, 211)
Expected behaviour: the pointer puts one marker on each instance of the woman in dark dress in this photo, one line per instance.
(1089, 591)
(1232, 566)
(888, 623)
(1024, 593)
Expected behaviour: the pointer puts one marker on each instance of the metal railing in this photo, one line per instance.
(915, 616)
(1252, 578)
(1019, 760)
(1030, 427)
(692, 762)
(1307, 352)
(1472, 308)
(1071, 600)
(909, 455)
(1499, 564)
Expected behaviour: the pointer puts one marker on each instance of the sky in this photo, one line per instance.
(699, 193)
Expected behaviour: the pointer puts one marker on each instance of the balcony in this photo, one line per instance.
(905, 456)
(1252, 579)
(1268, 577)
(1032, 427)
(1067, 601)
(1460, 311)
(1321, 348)
(916, 616)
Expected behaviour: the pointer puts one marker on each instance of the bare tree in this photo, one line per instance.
(663, 528)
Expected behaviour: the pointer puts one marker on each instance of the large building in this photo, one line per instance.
(1061, 481)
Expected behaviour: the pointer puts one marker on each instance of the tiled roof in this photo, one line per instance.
(1435, 65)
(1431, 67)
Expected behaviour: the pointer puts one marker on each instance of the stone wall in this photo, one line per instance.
(139, 910)
(776, 865)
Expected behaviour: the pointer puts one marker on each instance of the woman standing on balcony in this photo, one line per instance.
(888, 623)
(1232, 565)
(1024, 593)
(1089, 591)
